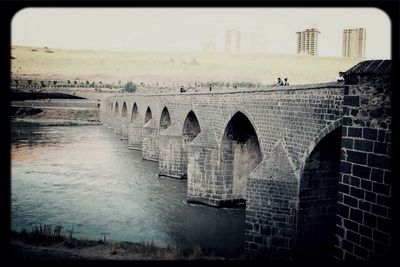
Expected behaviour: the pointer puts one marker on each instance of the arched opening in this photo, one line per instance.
(112, 106)
(318, 198)
(135, 112)
(240, 153)
(124, 110)
(148, 115)
(116, 109)
(165, 120)
(191, 128)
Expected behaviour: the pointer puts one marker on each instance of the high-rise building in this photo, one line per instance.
(354, 42)
(307, 42)
(232, 41)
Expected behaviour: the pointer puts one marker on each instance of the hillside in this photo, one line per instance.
(165, 68)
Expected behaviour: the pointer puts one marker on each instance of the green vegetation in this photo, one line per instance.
(130, 87)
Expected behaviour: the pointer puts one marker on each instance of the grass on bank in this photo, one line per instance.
(51, 237)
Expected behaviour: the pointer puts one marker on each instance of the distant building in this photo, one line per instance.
(307, 42)
(354, 41)
(209, 47)
(232, 41)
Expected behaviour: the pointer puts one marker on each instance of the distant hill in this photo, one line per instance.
(149, 67)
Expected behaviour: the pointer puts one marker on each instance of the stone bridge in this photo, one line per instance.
(311, 163)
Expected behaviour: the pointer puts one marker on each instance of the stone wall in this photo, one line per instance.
(293, 187)
(364, 208)
(272, 203)
(150, 140)
(287, 123)
(170, 156)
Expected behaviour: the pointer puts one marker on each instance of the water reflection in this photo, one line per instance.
(85, 178)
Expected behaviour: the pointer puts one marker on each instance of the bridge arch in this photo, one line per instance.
(116, 112)
(165, 119)
(148, 116)
(318, 194)
(124, 110)
(253, 124)
(240, 153)
(191, 127)
(325, 131)
(135, 112)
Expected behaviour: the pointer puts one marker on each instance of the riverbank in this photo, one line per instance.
(44, 244)
(20, 95)
(55, 116)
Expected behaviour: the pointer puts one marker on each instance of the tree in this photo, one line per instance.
(129, 87)
(75, 82)
(54, 83)
(87, 83)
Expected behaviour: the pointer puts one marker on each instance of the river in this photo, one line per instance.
(85, 179)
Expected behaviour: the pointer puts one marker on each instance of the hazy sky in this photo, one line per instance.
(186, 29)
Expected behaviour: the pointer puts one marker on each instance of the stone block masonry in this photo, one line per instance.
(150, 141)
(124, 131)
(135, 137)
(170, 157)
(365, 189)
(312, 166)
(207, 143)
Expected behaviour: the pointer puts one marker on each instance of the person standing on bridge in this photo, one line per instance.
(279, 83)
(340, 78)
(286, 83)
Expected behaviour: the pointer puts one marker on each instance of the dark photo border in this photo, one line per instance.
(9, 8)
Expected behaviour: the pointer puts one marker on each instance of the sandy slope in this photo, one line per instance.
(172, 67)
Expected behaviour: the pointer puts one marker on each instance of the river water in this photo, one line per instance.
(86, 179)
